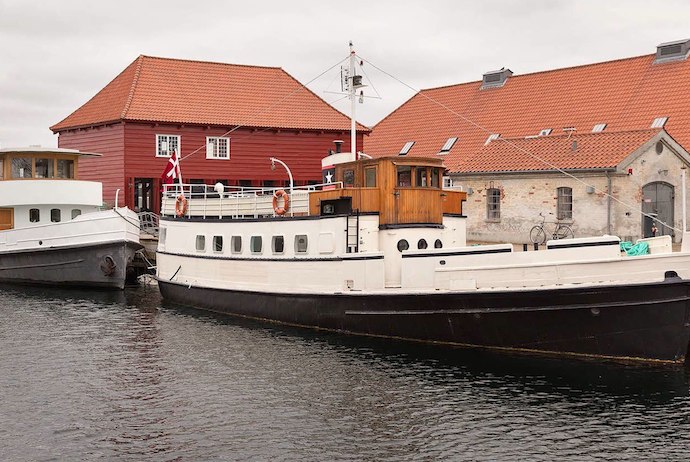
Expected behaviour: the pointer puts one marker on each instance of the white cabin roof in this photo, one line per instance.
(45, 150)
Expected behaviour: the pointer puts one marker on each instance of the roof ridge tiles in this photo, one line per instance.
(133, 87)
(201, 61)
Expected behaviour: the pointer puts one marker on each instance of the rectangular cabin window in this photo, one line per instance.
(255, 244)
(404, 176)
(236, 244)
(435, 183)
(349, 177)
(162, 233)
(75, 213)
(301, 242)
(278, 244)
(217, 243)
(6, 219)
(34, 215)
(200, 242)
(2, 169)
(22, 167)
(166, 144)
(493, 204)
(421, 177)
(217, 147)
(65, 168)
(44, 168)
(55, 215)
(564, 204)
(370, 177)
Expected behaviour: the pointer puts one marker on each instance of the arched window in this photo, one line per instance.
(564, 205)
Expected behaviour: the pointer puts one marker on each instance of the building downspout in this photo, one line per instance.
(608, 203)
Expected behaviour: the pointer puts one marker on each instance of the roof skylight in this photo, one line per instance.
(449, 145)
(659, 122)
(405, 149)
(492, 137)
(545, 132)
(598, 128)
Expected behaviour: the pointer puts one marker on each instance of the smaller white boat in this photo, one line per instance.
(52, 228)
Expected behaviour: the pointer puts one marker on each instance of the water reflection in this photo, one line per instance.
(118, 375)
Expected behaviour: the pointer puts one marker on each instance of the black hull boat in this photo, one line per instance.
(644, 322)
(380, 249)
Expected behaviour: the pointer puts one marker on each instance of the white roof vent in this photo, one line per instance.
(659, 122)
(405, 149)
(672, 51)
(496, 79)
(598, 128)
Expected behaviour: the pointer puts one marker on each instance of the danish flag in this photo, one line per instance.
(172, 170)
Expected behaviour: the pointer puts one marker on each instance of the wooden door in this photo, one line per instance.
(658, 203)
(6, 219)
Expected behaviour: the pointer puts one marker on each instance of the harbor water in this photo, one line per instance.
(125, 376)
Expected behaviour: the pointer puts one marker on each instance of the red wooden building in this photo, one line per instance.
(247, 113)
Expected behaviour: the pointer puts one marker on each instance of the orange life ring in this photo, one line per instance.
(180, 205)
(286, 202)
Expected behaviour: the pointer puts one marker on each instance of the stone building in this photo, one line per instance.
(568, 178)
(542, 142)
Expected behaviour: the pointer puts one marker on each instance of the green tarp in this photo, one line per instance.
(641, 248)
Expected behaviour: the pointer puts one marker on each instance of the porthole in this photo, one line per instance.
(421, 244)
(403, 245)
(438, 244)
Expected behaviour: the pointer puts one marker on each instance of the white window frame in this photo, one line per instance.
(212, 147)
(167, 152)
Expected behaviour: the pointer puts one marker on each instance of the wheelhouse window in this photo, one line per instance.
(404, 176)
(22, 167)
(435, 183)
(217, 147)
(301, 242)
(55, 215)
(44, 168)
(75, 213)
(34, 215)
(166, 144)
(421, 177)
(236, 244)
(65, 168)
(349, 177)
(255, 244)
(370, 177)
(217, 243)
(564, 205)
(278, 244)
(200, 242)
(493, 204)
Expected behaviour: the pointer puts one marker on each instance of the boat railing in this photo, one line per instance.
(148, 223)
(235, 201)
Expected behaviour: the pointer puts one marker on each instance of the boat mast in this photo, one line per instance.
(353, 103)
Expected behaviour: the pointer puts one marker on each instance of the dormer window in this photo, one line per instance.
(448, 146)
(405, 149)
(659, 122)
(495, 79)
(672, 51)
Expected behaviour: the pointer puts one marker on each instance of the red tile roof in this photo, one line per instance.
(564, 151)
(626, 94)
(206, 93)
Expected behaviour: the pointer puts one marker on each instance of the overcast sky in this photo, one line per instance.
(55, 55)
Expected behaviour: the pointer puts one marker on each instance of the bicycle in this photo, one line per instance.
(561, 231)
